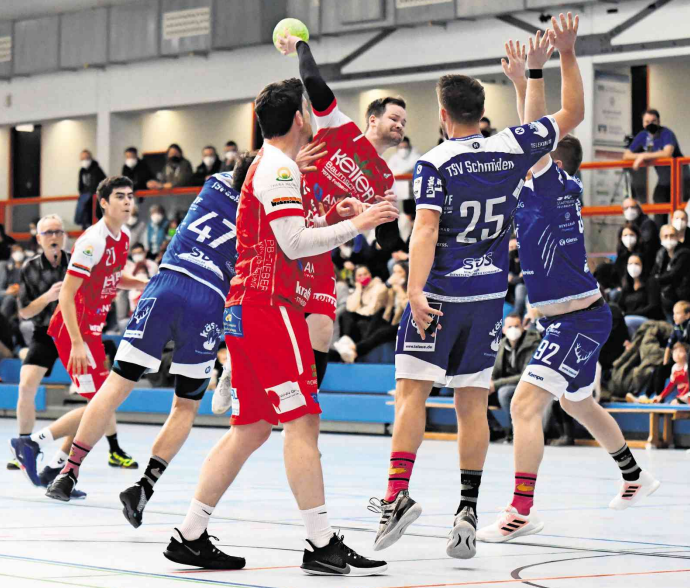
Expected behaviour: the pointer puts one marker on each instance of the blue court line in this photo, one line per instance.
(129, 572)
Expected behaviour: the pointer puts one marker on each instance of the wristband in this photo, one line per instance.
(535, 74)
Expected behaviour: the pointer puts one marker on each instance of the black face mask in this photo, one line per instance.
(174, 159)
(486, 133)
(652, 128)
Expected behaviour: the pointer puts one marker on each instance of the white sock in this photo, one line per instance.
(316, 523)
(59, 460)
(43, 437)
(196, 521)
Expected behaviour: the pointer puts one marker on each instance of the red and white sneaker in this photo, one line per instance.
(632, 492)
(510, 524)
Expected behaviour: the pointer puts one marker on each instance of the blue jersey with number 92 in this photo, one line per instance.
(474, 183)
(204, 246)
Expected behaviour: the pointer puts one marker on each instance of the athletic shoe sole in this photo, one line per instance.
(462, 544)
(399, 529)
(529, 529)
(182, 558)
(130, 514)
(350, 571)
(21, 466)
(624, 504)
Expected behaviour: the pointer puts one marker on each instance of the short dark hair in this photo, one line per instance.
(653, 111)
(276, 105)
(137, 245)
(106, 187)
(515, 315)
(406, 139)
(485, 120)
(131, 150)
(241, 168)
(231, 144)
(569, 151)
(210, 147)
(378, 106)
(462, 97)
(174, 146)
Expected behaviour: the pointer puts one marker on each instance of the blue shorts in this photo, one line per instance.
(463, 352)
(175, 307)
(566, 361)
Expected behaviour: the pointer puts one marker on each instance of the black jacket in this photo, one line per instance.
(202, 172)
(140, 174)
(90, 177)
(649, 239)
(673, 275)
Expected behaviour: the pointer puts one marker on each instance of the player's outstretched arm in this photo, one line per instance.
(129, 282)
(514, 68)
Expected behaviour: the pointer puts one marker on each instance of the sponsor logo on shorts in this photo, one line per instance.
(232, 321)
(235, 402)
(580, 352)
(303, 292)
(284, 174)
(213, 335)
(137, 324)
(324, 298)
(286, 397)
(412, 340)
(496, 334)
(535, 376)
(198, 258)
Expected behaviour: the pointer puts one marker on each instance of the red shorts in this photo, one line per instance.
(273, 370)
(88, 384)
(322, 278)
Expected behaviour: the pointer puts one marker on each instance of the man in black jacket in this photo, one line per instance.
(90, 175)
(136, 169)
(210, 164)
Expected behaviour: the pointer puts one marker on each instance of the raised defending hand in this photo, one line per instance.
(514, 67)
(564, 35)
(539, 51)
(287, 43)
(308, 155)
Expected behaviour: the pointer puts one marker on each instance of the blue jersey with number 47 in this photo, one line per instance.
(475, 183)
(204, 246)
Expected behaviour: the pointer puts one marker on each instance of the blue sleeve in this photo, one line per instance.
(667, 137)
(552, 181)
(537, 138)
(428, 187)
(639, 142)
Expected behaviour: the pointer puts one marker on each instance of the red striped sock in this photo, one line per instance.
(76, 455)
(399, 473)
(523, 496)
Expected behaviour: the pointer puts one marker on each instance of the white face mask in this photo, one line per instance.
(230, 155)
(209, 161)
(138, 257)
(679, 224)
(131, 162)
(345, 250)
(85, 163)
(404, 152)
(669, 244)
(629, 241)
(132, 220)
(634, 269)
(17, 256)
(33, 232)
(513, 333)
(157, 219)
(631, 214)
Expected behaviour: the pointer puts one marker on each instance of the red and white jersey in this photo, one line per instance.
(351, 167)
(98, 257)
(264, 275)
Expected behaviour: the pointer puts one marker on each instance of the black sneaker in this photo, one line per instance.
(201, 553)
(134, 502)
(396, 516)
(462, 541)
(47, 476)
(62, 487)
(337, 559)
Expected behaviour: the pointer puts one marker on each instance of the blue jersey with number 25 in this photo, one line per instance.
(204, 246)
(475, 183)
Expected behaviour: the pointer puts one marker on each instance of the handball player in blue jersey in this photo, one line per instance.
(466, 190)
(184, 304)
(576, 324)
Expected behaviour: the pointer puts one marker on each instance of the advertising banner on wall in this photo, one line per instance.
(612, 108)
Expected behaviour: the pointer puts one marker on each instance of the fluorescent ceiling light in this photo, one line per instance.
(25, 128)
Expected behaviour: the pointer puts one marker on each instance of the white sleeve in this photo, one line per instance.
(297, 241)
(332, 117)
(277, 186)
(88, 251)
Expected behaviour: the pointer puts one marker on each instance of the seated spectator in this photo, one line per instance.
(680, 223)
(485, 127)
(347, 257)
(10, 281)
(6, 243)
(156, 231)
(384, 324)
(368, 298)
(177, 172)
(672, 270)
(230, 157)
(136, 226)
(629, 243)
(90, 175)
(210, 164)
(649, 233)
(679, 377)
(136, 169)
(640, 298)
(404, 158)
(137, 255)
(514, 353)
(517, 291)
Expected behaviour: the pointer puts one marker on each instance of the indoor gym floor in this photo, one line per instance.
(89, 544)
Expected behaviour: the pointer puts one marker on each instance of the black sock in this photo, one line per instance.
(469, 489)
(321, 361)
(627, 464)
(24, 434)
(153, 472)
(114, 445)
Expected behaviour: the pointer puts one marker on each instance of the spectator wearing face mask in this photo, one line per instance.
(210, 164)
(10, 280)
(137, 255)
(649, 232)
(404, 158)
(514, 354)
(137, 227)
(629, 243)
(136, 169)
(369, 297)
(680, 223)
(6, 243)
(485, 127)
(640, 298)
(672, 270)
(652, 143)
(177, 172)
(90, 175)
(156, 230)
(230, 156)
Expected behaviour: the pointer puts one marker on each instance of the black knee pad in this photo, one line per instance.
(190, 388)
(129, 371)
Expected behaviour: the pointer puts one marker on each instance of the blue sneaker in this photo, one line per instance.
(26, 452)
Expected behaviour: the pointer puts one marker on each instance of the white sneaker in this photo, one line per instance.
(222, 395)
(632, 492)
(510, 524)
